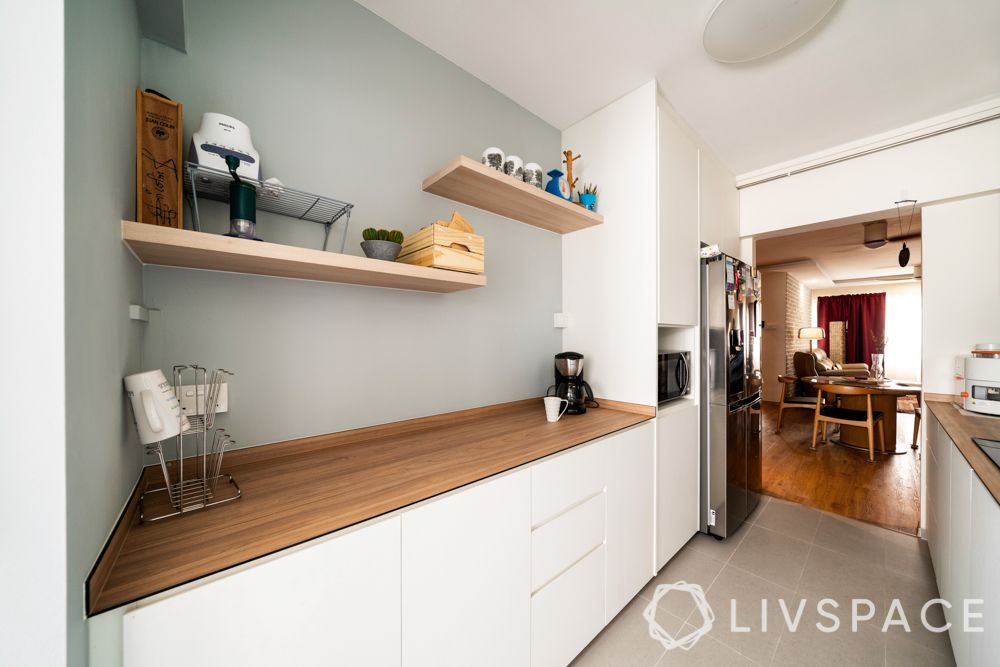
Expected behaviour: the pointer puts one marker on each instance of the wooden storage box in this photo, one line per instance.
(443, 247)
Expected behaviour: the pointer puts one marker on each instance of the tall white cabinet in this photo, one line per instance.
(677, 231)
(631, 285)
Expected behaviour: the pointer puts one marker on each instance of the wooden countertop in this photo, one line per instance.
(962, 428)
(302, 489)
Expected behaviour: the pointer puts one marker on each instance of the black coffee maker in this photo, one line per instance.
(570, 383)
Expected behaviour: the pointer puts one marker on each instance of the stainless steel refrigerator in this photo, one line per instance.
(731, 481)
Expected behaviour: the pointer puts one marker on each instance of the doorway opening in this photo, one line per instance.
(834, 297)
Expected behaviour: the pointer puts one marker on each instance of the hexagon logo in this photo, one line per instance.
(686, 642)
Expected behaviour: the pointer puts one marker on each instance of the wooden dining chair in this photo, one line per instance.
(807, 402)
(830, 413)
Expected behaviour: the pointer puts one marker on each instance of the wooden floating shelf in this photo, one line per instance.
(468, 181)
(169, 246)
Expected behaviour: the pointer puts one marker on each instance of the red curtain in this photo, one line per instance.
(865, 318)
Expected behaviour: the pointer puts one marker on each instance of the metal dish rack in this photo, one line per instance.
(201, 181)
(193, 483)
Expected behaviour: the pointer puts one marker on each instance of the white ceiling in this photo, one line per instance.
(837, 255)
(869, 67)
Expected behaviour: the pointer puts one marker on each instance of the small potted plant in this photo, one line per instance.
(382, 243)
(588, 197)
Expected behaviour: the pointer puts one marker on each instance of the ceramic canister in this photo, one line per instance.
(493, 157)
(513, 166)
(533, 174)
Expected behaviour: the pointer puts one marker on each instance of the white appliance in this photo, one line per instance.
(982, 380)
(220, 136)
(155, 409)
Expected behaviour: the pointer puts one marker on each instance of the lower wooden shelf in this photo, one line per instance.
(168, 246)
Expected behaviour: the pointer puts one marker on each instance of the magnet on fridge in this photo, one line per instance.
(731, 300)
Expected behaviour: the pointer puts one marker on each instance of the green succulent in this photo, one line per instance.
(589, 189)
(372, 234)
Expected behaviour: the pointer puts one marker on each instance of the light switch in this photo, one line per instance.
(187, 399)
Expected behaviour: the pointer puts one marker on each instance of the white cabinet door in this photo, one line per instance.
(939, 499)
(719, 205)
(678, 224)
(568, 612)
(984, 576)
(677, 478)
(336, 602)
(467, 577)
(630, 547)
(959, 553)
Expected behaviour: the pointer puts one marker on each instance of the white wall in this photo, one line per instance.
(609, 271)
(33, 428)
(949, 165)
(961, 246)
(902, 325)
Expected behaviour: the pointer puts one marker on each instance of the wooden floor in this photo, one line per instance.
(841, 480)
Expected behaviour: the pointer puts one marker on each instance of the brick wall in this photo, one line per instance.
(798, 314)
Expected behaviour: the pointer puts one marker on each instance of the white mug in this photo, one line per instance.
(155, 409)
(552, 412)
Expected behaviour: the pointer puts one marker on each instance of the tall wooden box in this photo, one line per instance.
(158, 168)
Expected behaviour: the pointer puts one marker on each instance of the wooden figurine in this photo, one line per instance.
(568, 159)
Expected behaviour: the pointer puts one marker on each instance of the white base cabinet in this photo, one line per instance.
(678, 473)
(984, 576)
(963, 534)
(631, 481)
(467, 577)
(335, 602)
(525, 568)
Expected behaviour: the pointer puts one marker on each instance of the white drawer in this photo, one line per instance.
(568, 613)
(565, 539)
(566, 480)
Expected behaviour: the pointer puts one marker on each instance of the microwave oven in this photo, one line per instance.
(673, 373)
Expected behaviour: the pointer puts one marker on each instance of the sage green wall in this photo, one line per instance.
(102, 278)
(340, 102)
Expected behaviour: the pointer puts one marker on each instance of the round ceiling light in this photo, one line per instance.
(739, 31)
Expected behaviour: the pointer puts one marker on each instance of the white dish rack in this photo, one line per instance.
(192, 483)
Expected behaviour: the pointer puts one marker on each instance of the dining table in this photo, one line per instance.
(885, 393)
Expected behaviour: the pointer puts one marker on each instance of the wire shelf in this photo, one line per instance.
(213, 184)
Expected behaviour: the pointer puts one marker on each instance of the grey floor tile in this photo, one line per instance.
(810, 647)
(744, 591)
(718, 549)
(689, 566)
(755, 515)
(852, 538)
(829, 574)
(913, 594)
(900, 651)
(772, 556)
(791, 519)
(625, 642)
(707, 652)
(908, 555)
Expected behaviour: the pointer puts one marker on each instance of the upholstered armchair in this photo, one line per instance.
(816, 362)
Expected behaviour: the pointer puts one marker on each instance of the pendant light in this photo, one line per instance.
(904, 253)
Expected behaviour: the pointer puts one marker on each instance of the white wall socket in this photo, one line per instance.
(187, 399)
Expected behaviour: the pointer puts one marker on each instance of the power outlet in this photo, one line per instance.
(187, 399)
